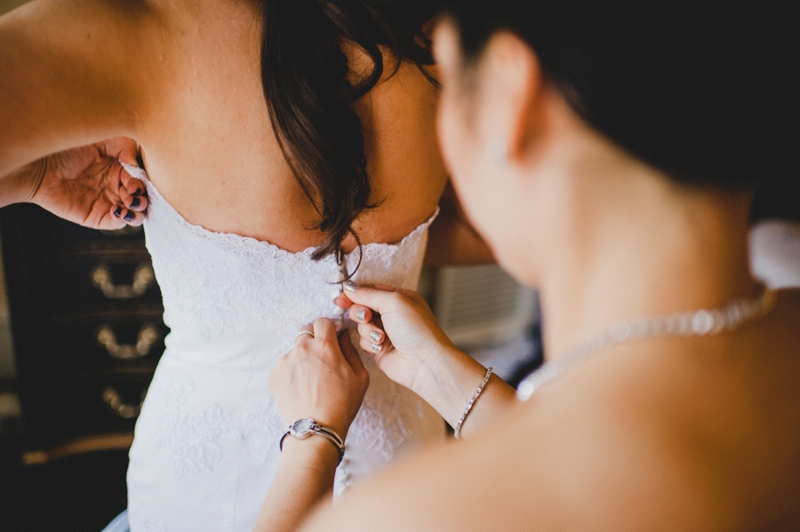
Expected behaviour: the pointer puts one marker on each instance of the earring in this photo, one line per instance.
(497, 151)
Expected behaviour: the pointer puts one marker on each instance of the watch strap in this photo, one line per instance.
(323, 431)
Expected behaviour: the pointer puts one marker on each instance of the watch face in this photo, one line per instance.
(302, 427)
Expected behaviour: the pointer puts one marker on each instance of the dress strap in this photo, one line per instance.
(135, 171)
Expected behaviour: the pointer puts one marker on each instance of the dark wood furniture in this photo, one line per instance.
(87, 330)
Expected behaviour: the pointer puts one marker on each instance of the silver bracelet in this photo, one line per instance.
(472, 401)
(307, 427)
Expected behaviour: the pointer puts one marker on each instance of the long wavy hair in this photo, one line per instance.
(308, 88)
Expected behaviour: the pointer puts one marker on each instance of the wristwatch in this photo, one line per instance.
(307, 427)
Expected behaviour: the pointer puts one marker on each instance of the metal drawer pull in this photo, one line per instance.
(114, 401)
(148, 336)
(143, 279)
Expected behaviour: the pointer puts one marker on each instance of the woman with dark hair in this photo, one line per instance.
(608, 151)
(289, 146)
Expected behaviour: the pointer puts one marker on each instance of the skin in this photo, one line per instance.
(86, 185)
(183, 81)
(697, 433)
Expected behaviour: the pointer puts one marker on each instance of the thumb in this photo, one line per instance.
(381, 300)
(124, 149)
(350, 354)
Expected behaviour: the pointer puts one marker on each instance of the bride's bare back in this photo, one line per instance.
(184, 80)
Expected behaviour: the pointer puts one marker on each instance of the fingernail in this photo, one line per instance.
(135, 203)
(350, 285)
(129, 216)
(138, 191)
(361, 315)
(377, 348)
(118, 212)
(376, 336)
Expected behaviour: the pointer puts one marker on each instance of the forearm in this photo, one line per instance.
(65, 77)
(304, 478)
(451, 382)
(20, 185)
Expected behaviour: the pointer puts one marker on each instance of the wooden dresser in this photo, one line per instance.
(86, 324)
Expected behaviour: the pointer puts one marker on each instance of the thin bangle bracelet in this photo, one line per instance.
(472, 401)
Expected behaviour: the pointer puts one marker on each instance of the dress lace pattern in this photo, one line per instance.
(206, 445)
(222, 276)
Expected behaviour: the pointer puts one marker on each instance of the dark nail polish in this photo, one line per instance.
(130, 216)
(118, 212)
(135, 203)
(138, 192)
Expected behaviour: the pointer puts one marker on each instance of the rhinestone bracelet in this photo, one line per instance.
(472, 401)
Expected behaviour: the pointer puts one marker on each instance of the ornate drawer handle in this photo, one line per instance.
(114, 401)
(148, 336)
(143, 279)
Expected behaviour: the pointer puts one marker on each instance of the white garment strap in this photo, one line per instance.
(135, 171)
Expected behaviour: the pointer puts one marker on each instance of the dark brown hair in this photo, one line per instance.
(706, 91)
(307, 88)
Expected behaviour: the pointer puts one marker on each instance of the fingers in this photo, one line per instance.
(305, 334)
(342, 302)
(360, 314)
(350, 354)
(132, 187)
(127, 216)
(132, 194)
(325, 330)
(136, 202)
(130, 175)
(372, 332)
(372, 338)
(124, 149)
(379, 298)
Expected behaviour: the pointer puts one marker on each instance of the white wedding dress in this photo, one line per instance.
(206, 444)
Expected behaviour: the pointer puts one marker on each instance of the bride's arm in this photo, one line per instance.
(68, 76)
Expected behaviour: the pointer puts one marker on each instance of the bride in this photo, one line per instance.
(289, 146)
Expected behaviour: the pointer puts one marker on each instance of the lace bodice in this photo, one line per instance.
(209, 279)
(206, 444)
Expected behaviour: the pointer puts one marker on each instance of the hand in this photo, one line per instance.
(400, 331)
(322, 378)
(406, 341)
(88, 185)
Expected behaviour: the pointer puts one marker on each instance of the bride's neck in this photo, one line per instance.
(630, 243)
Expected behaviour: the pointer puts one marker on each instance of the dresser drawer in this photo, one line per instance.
(105, 341)
(61, 409)
(107, 279)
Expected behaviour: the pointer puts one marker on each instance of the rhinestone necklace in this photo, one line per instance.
(695, 323)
